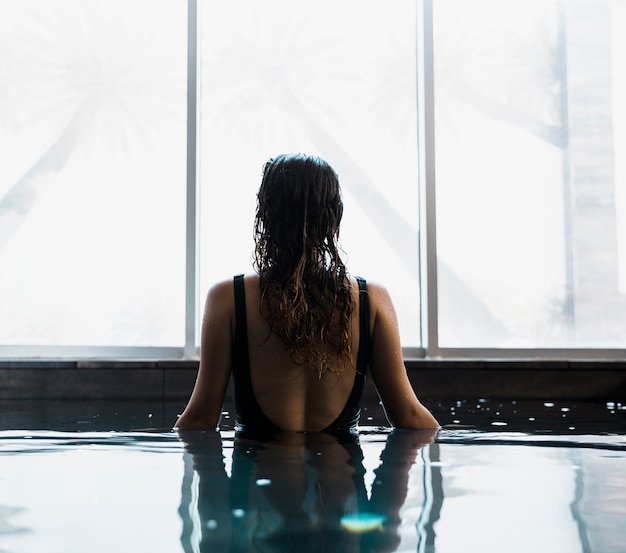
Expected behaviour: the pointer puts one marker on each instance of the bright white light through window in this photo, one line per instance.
(529, 124)
(92, 178)
(334, 79)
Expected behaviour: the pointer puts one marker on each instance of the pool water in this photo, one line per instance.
(468, 488)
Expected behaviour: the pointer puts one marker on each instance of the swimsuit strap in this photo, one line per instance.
(241, 327)
(348, 419)
(246, 406)
(364, 327)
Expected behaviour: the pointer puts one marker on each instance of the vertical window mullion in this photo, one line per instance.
(191, 279)
(426, 141)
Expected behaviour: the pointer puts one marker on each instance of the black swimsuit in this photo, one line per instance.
(249, 417)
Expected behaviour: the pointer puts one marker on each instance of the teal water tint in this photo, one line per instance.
(469, 490)
(303, 492)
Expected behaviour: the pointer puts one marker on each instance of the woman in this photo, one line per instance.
(299, 335)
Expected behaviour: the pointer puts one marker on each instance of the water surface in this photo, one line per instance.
(468, 490)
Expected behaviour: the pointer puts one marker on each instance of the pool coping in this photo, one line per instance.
(173, 379)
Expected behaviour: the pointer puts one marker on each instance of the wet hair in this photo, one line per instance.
(305, 289)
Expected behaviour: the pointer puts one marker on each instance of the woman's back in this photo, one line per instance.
(293, 395)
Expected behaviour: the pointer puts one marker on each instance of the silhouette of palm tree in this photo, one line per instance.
(90, 74)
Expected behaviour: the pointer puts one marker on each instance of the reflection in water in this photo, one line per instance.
(471, 491)
(297, 492)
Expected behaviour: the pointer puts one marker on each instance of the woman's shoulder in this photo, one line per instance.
(381, 305)
(220, 289)
(224, 289)
(376, 290)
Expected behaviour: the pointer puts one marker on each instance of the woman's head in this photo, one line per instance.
(299, 211)
(305, 290)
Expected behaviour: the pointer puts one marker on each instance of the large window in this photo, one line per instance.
(530, 124)
(477, 143)
(92, 177)
(335, 79)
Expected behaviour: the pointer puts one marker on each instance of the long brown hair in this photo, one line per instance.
(305, 289)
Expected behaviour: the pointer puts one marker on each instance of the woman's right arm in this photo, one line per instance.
(401, 405)
(205, 405)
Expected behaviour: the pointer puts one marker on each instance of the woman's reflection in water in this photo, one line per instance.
(297, 492)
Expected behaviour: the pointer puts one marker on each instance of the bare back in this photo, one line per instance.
(293, 396)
